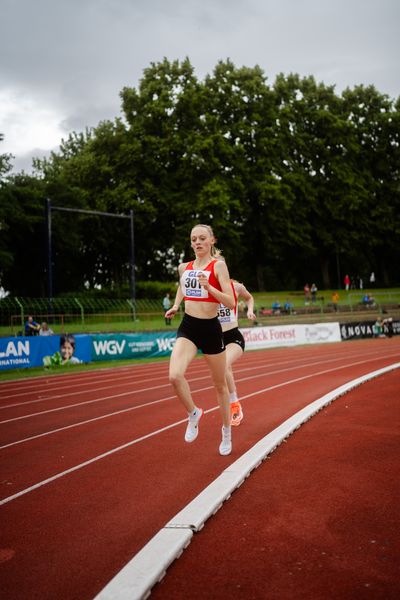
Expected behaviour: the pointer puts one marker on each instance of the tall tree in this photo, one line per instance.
(318, 140)
(5, 161)
(22, 239)
(375, 121)
(294, 179)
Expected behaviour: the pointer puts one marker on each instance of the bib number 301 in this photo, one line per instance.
(192, 283)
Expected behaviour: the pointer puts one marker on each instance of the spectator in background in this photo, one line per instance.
(372, 278)
(45, 329)
(378, 328)
(346, 282)
(288, 307)
(31, 326)
(166, 306)
(335, 300)
(365, 300)
(307, 296)
(388, 323)
(276, 307)
(368, 300)
(314, 291)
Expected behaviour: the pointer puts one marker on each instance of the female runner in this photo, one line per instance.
(204, 285)
(234, 343)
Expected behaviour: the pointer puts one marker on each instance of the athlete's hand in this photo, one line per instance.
(251, 315)
(203, 280)
(171, 312)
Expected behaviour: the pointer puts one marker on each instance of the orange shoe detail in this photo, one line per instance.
(236, 413)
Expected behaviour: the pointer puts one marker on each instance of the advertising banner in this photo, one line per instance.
(290, 335)
(368, 329)
(39, 351)
(132, 345)
(20, 352)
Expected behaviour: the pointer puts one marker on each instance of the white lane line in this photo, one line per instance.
(80, 381)
(165, 399)
(74, 376)
(80, 423)
(201, 369)
(149, 565)
(116, 380)
(131, 392)
(145, 437)
(88, 462)
(143, 369)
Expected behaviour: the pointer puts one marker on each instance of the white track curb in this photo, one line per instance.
(147, 567)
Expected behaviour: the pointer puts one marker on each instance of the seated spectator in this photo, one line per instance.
(45, 329)
(378, 328)
(276, 307)
(388, 326)
(368, 300)
(288, 307)
(31, 326)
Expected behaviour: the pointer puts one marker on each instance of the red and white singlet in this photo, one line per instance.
(190, 286)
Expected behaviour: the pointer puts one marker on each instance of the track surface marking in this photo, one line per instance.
(93, 519)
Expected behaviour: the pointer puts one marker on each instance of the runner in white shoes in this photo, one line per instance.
(234, 343)
(204, 285)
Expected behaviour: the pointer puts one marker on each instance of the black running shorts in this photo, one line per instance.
(206, 334)
(234, 336)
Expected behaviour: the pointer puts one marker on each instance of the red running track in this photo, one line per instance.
(94, 464)
(320, 519)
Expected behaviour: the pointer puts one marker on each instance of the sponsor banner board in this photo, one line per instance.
(367, 329)
(38, 351)
(290, 335)
(20, 352)
(132, 345)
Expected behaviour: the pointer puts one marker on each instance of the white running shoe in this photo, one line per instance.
(225, 446)
(192, 429)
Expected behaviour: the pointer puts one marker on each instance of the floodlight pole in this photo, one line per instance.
(132, 261)
(49, 254)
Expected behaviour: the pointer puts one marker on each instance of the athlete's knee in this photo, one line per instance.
(176, 378)
(221, 387)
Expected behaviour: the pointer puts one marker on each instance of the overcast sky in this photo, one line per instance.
(64, 62)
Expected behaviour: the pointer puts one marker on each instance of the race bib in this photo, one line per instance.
(190, 285)
(226, 315)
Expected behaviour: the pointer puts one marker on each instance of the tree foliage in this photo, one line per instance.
(295, 179)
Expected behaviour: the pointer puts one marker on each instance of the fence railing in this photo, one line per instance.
(39, 308)
(91, 323)
(72, 314)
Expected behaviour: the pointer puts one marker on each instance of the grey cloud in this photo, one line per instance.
(76, 55)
